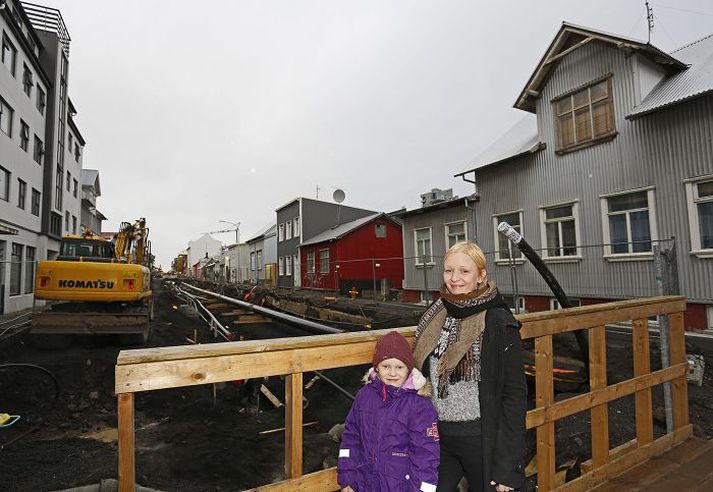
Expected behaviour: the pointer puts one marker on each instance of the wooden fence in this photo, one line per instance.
(171, 367)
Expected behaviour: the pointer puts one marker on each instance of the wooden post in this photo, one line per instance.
(125, 415)
(642, 366)
(679, 387)
(598, 380)
(293, 425)
(544, 397)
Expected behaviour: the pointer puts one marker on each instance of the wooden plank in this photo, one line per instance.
(321, 481)
(190, 372)
(251, 321)
(535, 325)
(545, 396)
(580, 403)
(293, 425)
(127, 455)
(598, 380)
(688, 475)
(642, 366)
(157, 354)
(616, 467)
(617, 452)
(679, 386)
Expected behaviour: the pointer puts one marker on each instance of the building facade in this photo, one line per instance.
(615, 164)
(262, 250)
(91, 217)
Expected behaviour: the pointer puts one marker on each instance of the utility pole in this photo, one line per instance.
(237, 243)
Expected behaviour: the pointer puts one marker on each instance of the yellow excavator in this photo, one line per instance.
(97, 286)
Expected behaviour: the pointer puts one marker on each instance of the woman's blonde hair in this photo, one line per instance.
(472, 250)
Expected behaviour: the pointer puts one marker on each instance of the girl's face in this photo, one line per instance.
(460, 273)
(392, 372)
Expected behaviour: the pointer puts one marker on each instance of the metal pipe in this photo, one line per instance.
(345, 392)
(287, 318)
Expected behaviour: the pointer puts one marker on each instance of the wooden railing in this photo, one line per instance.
(171, 367)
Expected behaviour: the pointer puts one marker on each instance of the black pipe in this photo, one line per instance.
(516, 238)
(39, 368)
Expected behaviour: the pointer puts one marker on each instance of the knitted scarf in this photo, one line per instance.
(463, 317)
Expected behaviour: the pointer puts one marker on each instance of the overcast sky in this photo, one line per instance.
(196, 112)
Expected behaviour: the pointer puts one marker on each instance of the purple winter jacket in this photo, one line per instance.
(390, 440)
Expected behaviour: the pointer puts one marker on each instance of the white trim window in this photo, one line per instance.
(555, 304)
(323, 261)
(699, 198)
(456, 232)
(281, 265)
(560, 230)
(310, 262)
(4, 184)
(505, 247)
(288, 230)
(288, 265)
(296, 227)
(423, 246)
(6, 113)
(258, 257)
(281, 233)
(252, 261)
(628, 224)
(9, 54)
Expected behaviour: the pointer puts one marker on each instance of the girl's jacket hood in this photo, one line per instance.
(415, 381)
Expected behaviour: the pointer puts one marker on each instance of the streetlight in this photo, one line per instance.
(237, 243)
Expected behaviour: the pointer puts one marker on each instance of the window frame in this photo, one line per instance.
(28, 82)
(606, 233)
(5, 193)
(36, 210)
(6, 108)
(281, 266)
(30, 258)
(21, 194)
(7, 42)
(281, 232)
(16, 269)
(545, 250)
(694, 228)
(41, 100)
(446, 233)
(258, 259)
(417, 258)
(296, 227)
(75, 187)
(555, 304)
(517, 256)
(38, 151)
(24, 135)
(592, 140)
(322, 260)
(288, 230)
(310, 263)
(288, 266)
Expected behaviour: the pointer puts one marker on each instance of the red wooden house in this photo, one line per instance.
(365, 254)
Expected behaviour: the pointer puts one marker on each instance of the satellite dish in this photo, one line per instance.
(338, 195)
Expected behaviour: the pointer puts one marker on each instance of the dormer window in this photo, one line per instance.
(585, 116)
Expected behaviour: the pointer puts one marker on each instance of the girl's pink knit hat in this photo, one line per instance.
(393, 346)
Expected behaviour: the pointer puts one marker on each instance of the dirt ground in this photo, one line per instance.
(187, 440)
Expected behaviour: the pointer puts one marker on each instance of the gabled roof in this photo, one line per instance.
(457, 201)
(519, 140)
(90, 177)
(696, 81)
(269, 230)
(343, 229)
(571, 37)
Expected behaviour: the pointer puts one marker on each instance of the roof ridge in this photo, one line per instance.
(692, 43)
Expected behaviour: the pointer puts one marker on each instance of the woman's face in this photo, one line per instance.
(460, 273)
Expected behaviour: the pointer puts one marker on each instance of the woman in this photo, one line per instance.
(469, 344)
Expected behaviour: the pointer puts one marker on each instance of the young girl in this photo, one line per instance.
(390, 440)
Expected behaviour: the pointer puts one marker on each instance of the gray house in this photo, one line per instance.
(427, 233)
(263, 255)
(302, 219)
(614, 162)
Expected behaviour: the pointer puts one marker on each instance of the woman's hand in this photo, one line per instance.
(500, 487)
(347, 489)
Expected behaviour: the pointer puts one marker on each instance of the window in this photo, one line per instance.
(296, 227)
(59, 177)
(310, 262)
(76, 152)
(252, 260)
(628, 228)
(288, 265)
(66, 221)
(29, 269)
(323, 261)
(39, 151)
(422, 246)
(281, 265)
(15, 269)
(69, 181)
(515, 303)
(24, 135)
(281, 232)
(27, 82)
(4, 184)
(259, 259)
(288, 230)
(74, 224)
(455, 233)
(74, 188)
(35, 202)
(55, 223)
(584, 117)
(380, 230)
(21, 193)
(506, 249)
(41, 100)
(9, 54)
(6, 113)
(555, 304)
(559, 230)
(69, 140)
(699, 194)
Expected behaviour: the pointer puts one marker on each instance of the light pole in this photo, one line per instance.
(237, 243)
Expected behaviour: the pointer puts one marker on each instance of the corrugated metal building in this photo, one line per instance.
(616, 159)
